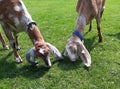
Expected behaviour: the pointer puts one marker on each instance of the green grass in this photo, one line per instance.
(56, 20)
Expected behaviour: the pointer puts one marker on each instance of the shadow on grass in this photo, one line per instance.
(10, 69)
(32, 72)
(117, 63)
(117, 35)
(67, 65)
(90, 44)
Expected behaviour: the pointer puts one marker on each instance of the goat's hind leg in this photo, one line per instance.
(90, 27)
(98, 20)
(5, 46)
(8, 34)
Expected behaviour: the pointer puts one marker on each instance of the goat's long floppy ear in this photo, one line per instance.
(55, 52)
(30, 55)
(84, 54)
(65, 52)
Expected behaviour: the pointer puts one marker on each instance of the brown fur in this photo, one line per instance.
(90, 9)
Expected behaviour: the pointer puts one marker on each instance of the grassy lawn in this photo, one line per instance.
(56, 20)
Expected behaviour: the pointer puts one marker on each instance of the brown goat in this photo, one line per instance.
(15, 18)
(87, 11)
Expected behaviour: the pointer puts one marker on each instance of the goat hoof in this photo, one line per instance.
(18, 60)
(18, 48)
(48, 66)
(6, 47)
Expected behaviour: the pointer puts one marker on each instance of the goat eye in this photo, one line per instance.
(38, 47)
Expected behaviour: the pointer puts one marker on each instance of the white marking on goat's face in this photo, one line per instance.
(41, 51)
(72, 52)
(17, 8)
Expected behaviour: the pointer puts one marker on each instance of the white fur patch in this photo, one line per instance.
(49, 62)
(83, 51)
(32, 27)
(27, 17)
(41, 51)
(17, 8)
(71, 55)
(6, 47)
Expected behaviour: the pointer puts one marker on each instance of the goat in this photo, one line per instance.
(15, 18)
(87, 10)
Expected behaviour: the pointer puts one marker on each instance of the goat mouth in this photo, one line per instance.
(47, 62)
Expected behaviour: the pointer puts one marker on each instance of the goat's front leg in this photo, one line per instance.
(13, 44)
(5, 46)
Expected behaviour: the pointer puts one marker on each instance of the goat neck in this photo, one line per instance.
(34, 33)
(80, 24)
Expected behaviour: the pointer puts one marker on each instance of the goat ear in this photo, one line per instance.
(55, 52)
(29, 55)
(65, 53)
(84, 54)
